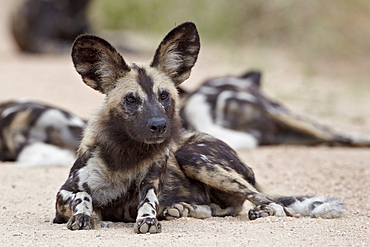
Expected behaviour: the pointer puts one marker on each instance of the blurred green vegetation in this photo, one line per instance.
(336, 28)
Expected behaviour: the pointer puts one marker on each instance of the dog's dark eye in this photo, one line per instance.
(163, 95)
(130, 99)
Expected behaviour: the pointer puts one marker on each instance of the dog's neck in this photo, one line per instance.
(120, 152)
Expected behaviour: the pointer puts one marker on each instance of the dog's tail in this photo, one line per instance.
(315, 206)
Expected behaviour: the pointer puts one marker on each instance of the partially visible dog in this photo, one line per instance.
(37, 134)
(235, 110)
(49, 26)
(137, 164)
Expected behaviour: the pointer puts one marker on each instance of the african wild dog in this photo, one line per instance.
(33, 133)
(229, 108)
(136, 162)
(49, 26)
(232, 109)
(235, 110)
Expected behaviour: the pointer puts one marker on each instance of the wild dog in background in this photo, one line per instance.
(136, 162)
(49, 26)
(232, 109)
(235, 110)
(37, 134)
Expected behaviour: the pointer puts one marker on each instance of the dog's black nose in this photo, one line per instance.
(157, 125)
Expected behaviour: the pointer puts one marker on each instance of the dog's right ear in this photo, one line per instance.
(98, 63)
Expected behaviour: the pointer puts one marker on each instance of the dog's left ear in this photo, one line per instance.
(98, 62)
(178, 52)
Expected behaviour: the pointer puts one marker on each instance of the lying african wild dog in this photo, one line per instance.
(232, 109)
(235, 110)
(136, 162)
(33, 133)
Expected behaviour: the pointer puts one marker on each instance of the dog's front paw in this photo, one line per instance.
(80, 222)
(147, 225)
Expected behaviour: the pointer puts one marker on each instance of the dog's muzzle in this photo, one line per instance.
(157, 128)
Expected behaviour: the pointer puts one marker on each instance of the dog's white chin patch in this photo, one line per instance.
(154, 141)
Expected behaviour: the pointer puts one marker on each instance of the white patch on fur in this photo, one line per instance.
(201, 120)
(205, 158)
(277, 209)
(85, 207)
(148, 207)
(42, 154)
(222, 101)
(104, 185)
(65, 194)
(208, 90)
(237, 82)
(58, 121)
(359, 139)
(319, 207)
(173, 61)
(9, 111)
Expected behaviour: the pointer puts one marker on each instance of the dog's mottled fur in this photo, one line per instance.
(136, 162)
(235, 110)
(34, 133)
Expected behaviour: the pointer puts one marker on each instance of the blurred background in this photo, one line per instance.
(334, 29)
(314, 55)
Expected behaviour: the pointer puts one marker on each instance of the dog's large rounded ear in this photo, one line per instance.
(178, 52)
(98, 63)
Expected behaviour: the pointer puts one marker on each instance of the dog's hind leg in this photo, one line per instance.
(212, 162)
(227, 178)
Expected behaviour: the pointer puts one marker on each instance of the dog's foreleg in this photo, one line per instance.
(74, 204)
(146, 221)
(76, 208)
(82, 212)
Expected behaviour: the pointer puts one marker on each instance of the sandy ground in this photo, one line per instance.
(335, 96)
